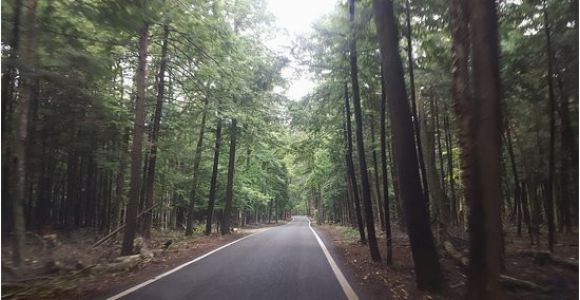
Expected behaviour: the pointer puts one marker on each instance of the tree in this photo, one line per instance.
(372, 240)
(350, 166)
(20, 154)
(214, 174)
(154, 135)
(384, 171)
(196, 162)
(427, 268)
(133, 204)
(479, 118)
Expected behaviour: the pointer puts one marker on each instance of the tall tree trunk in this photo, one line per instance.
(401, 220)
(415, 121)
(8, 102)
(549, 198)
(213, 181)
(225, 227)
(154, 136)
(376, 173)
(350, 167)
(9, 77)
(195, 176)
(436, 114)
(517, 189)
(484, 141)
(569, 157)
(135, 185)
(366, 195)
(437, 198)
(427, 268)
(450, 167)
(19, 156)
(120, 179)
(388, 236)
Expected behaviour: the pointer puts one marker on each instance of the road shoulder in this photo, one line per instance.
(340, 258)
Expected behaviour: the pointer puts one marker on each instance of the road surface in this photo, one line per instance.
(284, 262)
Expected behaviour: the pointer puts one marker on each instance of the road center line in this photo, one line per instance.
(350, 294)
(131, 290)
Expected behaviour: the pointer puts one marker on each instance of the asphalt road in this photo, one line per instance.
(284, 262)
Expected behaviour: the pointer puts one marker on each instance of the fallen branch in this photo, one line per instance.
(506, 281)
(123, 264)
(112, 233)
(511, 282)
(541, 257)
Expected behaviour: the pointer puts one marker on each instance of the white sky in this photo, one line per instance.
(295, 17)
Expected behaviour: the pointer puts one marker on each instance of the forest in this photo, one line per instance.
(440, 140)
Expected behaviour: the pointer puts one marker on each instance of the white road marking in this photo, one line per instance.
(350, 294)
(131, 290)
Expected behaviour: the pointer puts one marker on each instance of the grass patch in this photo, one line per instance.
(348, 233)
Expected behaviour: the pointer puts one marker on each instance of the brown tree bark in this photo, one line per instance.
(376, 175)
(20, 136)
(195, 176)
(383, 134)
(415, 120)
(133, 202)
(453, 213)
(484, 146)
(427, 268)
(213, 181)
(366, 195)
(350, 167)
(225, 226)
(154, 135)
(549, 198)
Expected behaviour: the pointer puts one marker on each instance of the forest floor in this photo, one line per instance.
(72, 269)
(398, 280)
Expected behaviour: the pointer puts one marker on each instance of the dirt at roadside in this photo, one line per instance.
(398, 281)
(85, 283)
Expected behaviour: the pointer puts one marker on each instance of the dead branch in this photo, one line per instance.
(506, 281)
(542, 257)
(112, 233)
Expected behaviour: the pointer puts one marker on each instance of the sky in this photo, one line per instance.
(295, 17)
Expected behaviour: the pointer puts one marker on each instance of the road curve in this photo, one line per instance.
(284, 262)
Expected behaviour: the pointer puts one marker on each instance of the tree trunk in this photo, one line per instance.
(366, 195)
(437, 198)
(548, 199)
(154, 136)
(214, 173)
(133, 202)
(484, 141)
(195, 176)
(415, 120)
(376, 173)
(427, 268)
(350, 167)
(454, 204)
(388, 236)
(225, 227)
(436, 115)
(20, 159)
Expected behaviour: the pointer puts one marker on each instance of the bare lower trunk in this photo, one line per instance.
(154, 136)
(20, 153)
(135, 187)
(225, 228)
(366, 192)
(384, 164)
(427, 268)
(350, 167)
(213, 182)
(196, 162)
